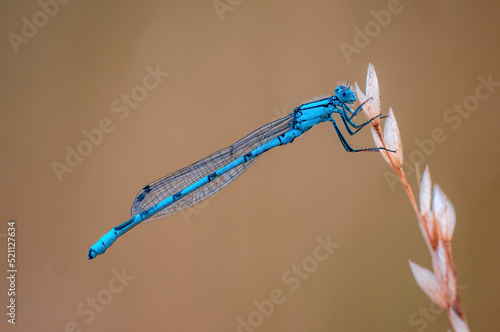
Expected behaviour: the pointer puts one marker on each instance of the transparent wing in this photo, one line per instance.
(170, 184)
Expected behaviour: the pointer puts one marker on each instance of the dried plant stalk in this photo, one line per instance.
(436, 215)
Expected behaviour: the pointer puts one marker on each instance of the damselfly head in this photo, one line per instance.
(345, 94)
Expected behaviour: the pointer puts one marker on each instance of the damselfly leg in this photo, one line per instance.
(344, 142)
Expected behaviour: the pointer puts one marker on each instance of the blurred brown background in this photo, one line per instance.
(230, 72)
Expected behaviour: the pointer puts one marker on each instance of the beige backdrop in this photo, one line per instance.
(231, 70)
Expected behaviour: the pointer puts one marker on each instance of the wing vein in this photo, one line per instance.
(172, 183)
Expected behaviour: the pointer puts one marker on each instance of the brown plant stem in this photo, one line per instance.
(402, 177)
(456, 306)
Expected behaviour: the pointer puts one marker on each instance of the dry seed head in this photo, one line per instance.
(372, 88)
(368, 107)
(361, 95)
(425, 192)
(428, 283)
(392, 139)
(444, 274)
(372, 107)
(449, 224)
(391, 136)
(444, 213)
(458, 323)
